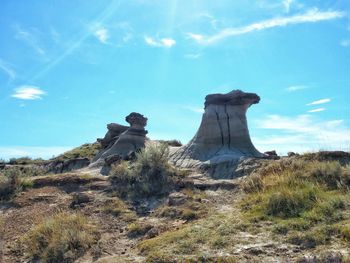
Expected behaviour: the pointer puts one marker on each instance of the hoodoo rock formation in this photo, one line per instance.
(222, 139)
(121, 141)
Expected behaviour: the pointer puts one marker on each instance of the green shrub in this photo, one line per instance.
(291, 202)
(328, 210)
(150, 173)
(63, 237)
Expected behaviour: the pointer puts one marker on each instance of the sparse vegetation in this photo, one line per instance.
(25, 161)
(138, 229)
(118, 208)
(303, 202)
(61, 238)
(87, 150)
(211, 233)
(192, 207)
(305, 199)
(174, 143)
(150, 173)
(24, 171)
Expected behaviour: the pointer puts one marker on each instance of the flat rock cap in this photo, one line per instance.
(135, 118)
(235, 97)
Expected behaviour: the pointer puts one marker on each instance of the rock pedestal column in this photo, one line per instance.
(223, 135)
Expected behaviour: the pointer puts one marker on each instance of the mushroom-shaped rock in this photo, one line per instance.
(122, 140)
(223, 136)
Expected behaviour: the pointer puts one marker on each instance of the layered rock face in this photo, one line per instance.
(59, 166)
(121, 141)
(223, 136)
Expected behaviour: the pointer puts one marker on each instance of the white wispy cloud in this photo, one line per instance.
(28, 37)
(55, 35)
(302, 133)
(193, 55)
(5, 67)
(287, 4)
(127, 30)
(311, 16)
(108, 12)
(102, 34)
(345, 43)
(193, 108)
(317, 110)
(317, 102)
(296, 88)
(163, 42)
(7, 152)
(28, 93)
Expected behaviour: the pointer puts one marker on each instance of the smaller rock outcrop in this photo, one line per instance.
(121, 141)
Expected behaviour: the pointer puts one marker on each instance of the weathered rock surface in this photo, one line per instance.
(222, 139)
(63, 166)
(121, 140)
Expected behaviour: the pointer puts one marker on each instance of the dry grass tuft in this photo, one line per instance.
(63, 237)
(305, 199)
(12, 184)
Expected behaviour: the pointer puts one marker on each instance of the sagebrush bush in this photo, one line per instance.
(12, 184)
(150, 173)
(24, 171)
(63, 237)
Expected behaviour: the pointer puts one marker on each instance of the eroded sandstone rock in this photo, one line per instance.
(223, 136)
(122, 140)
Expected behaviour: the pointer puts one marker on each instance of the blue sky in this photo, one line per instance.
(67, 68)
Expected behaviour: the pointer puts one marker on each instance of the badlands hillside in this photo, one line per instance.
(126, 198)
